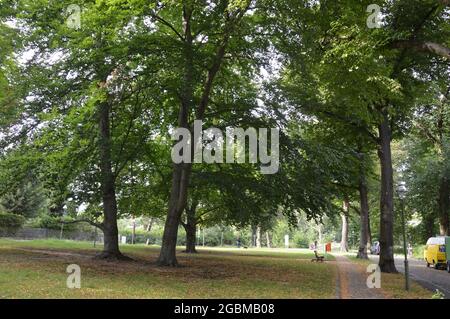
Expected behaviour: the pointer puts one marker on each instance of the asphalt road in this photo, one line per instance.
(429, 278)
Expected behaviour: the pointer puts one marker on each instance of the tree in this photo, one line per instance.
(364, 79)
(364, 214)
(217, 25)
(429, 148)
(344, 230)
(83, 102)
(426, 168)
(26, 200)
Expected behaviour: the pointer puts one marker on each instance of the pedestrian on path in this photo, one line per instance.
(410, 250)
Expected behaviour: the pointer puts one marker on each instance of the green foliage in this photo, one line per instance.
(26, 200)
(336, 81)
(9, 221)
(52, 222)
(301, 240)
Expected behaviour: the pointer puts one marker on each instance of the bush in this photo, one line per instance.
(52, 222)
(302, 240)
(418, 251)
(10, 221)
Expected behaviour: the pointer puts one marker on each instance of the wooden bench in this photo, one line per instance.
(318, 258)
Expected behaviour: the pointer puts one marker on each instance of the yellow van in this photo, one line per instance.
(434, 253)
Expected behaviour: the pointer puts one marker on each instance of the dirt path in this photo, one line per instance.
(352, 281)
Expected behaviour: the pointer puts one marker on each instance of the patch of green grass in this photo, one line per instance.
(37, 269)
(48, 244)
(296, 253)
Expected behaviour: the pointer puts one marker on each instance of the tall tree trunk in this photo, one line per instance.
(344, 231)
(364, 215)
(444, 206)
(181, 172)
(148, 229)
(369, 231)
(268, 239)
(386, 262)
(253, 236)
(319, 230)
(109, 226)
(191, 229)
(133, 234)
(429, 220)
(177, 203)
(203, 237)
(258, 236)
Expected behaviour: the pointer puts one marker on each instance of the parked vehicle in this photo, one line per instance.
(435, 252)
(375, 248)
(447, 252)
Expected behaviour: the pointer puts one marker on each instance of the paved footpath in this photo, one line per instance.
(351, 283)
(429, 278)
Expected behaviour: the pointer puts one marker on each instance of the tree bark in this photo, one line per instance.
(344, 231)
(180, 172)
(268, 240)
(258, 236)
(427, 46)
(429, 220)
(177, 203)
(148, 229)
(109, 226)
(133, 234)
(364, 215)
(191, 229)
(203, 237)
(253, 236)
(444, 206)
(319, 231)
(386, 261)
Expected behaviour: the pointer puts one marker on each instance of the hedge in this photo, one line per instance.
(11, 221)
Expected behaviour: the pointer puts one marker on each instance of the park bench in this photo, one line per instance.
(318, 258)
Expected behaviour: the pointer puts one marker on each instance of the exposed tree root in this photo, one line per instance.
(110, 256)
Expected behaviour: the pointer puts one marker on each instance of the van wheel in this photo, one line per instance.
(428, 264)
(436, 266)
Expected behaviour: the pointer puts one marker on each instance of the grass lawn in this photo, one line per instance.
(393, 285)
(37, 269)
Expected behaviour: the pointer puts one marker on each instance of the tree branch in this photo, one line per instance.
(430, 47)
(167, 24)
(356, 209)
(218, 59)
(84, 220)
(206, 212)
